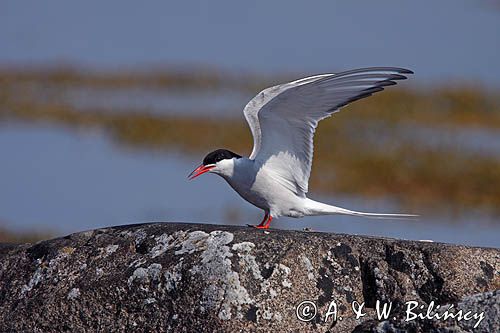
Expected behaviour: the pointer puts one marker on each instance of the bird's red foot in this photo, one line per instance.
(266, 222)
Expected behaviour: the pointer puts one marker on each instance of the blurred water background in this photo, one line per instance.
(106, 107)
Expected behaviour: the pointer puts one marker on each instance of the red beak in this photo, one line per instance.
(200, 170)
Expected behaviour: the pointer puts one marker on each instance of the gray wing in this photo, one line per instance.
(283, 118)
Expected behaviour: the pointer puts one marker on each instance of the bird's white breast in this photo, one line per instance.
(258, 185)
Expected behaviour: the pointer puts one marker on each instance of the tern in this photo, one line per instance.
(283, 119)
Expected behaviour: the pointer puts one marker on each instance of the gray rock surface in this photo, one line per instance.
(171, 277)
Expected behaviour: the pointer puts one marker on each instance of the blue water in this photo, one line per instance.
(65, 181)
(213, 103)
(440, 40)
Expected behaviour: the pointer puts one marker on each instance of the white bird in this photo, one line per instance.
(283, 120)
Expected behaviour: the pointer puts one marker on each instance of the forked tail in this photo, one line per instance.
(318, 208)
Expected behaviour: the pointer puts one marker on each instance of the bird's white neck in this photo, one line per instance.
(231, 168)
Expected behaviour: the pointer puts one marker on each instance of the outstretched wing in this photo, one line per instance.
(283, 118)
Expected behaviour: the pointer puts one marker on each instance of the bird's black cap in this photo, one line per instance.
(219, 155)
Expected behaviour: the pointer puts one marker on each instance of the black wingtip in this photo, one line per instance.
(396, 77)
(387, 83)
(399, 70)
(406, 71)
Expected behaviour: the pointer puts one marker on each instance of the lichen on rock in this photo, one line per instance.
(167, 277)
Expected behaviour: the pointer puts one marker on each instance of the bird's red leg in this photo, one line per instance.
(265, 222)
(261, 225)
(269, 221)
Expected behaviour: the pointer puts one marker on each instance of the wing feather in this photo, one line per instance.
(283, 118)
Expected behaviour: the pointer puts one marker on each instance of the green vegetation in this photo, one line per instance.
(350, 158)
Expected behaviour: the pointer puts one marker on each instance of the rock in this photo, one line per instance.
(171, 277)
